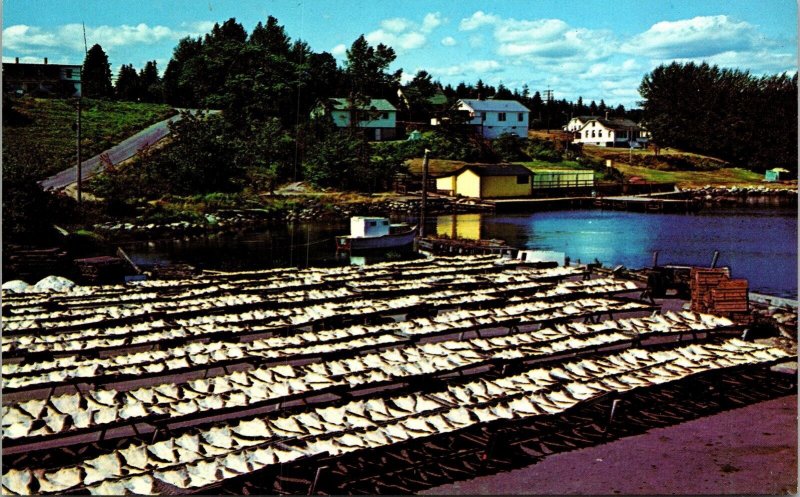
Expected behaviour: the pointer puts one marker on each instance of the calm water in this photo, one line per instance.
(757, 244)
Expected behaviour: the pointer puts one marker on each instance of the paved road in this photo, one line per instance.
(749, 450)
(116, 154)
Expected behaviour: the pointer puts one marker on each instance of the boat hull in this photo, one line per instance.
(394, 240)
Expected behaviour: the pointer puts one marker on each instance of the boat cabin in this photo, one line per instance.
(364, 227)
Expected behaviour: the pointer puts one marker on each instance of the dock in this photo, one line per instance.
(639, 203)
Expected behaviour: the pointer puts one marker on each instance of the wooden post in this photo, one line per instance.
(424, 194)
(78, 143)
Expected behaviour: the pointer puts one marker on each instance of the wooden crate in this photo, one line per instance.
(730, 296)
(702, 280)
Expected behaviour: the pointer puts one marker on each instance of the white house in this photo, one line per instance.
(577, 123)
(612, 132)
(495, 117)
(378, 117)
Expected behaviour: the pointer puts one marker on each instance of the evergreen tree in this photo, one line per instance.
(96, 74)
(127, 84)
(150, 83)
(367, 69)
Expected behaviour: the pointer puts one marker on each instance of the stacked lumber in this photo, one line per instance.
(729, 296)
(703, 280)
(714, 291)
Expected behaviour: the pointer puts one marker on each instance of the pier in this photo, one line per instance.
(640, 203)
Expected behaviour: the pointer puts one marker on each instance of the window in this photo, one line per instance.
(386, 223)
(592, 133)
(522, 179)
(501, 116)
(599, 133)
(520, 117)
(68, 73)
(385, 115)
(372, 224)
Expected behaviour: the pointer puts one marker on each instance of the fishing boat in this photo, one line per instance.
(375, 233)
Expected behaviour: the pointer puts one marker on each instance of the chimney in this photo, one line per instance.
(45, 60)
(606, 115)
(16, 60)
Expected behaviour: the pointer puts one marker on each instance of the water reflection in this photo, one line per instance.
(758, 244)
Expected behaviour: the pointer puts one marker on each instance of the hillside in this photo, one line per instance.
(686, 169)
(43, 129)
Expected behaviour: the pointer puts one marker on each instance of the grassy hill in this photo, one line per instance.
(42, 131)
(671, 166)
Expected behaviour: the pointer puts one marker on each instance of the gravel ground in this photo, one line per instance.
(749, 450)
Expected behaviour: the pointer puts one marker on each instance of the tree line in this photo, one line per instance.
(266, 73)
(727, 113)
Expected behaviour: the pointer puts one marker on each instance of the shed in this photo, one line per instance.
(487, 181)
(775, 174)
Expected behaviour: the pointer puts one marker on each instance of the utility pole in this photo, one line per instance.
(78, 140)
(424, 194)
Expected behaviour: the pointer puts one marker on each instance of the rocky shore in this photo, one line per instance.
(231, 221)
(738, 195)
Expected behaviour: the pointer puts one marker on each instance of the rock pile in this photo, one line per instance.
(743, 195)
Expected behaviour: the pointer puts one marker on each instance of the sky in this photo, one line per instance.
(590, 48)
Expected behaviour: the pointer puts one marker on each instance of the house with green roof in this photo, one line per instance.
(377, 116)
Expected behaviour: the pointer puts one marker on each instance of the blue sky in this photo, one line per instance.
(595, 49)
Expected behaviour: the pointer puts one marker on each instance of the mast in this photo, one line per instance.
(424, 194)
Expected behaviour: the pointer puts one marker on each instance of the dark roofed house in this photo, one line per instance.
(42, 80)
(378, 117)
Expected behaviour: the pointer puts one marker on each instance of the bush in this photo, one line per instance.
(543, 150)
(509, 148)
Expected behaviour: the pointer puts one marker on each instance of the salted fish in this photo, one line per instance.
(61, 479)
(376, 438)
(236, 463)
(135, 456)
(261, 457)
(523, 406)
(286, 427)
(34, 407)
(287, 455)
(459, 417)
(218, 437)
(163, 451)
(102, 468)
(106, 397)
(17, 481)
(501, 410)
(395, 432)
(254, 428)
(108, 487)
(140, 485)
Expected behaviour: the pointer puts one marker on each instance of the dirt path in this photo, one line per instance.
(750, 450)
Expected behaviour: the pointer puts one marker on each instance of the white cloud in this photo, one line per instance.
(697, 37)
(395, 25)
(431, 21)
(29, 39)
(449, 41)
(339, 50)
(476, 41)
(398, 41)
(404, 34)
(477, 20)
(473, 68)
(756, 61)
